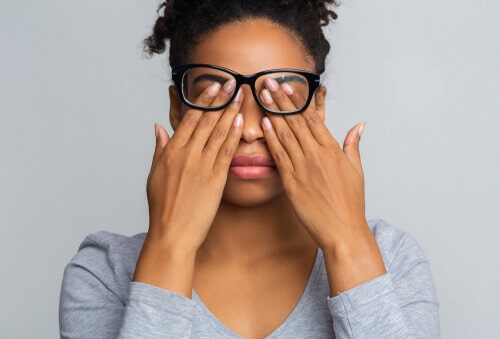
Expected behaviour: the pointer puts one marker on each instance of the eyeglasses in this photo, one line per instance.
(192, 80)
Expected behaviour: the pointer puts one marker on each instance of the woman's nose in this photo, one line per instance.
(252, 117)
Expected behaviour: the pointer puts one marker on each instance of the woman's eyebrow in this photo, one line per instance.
(295, 78)
(210, 77)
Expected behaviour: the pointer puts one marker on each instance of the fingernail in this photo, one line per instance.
(287, 88)
(213, 89)
(229, 86)
(266, 97)
(267, 123)
(239, 120)
(361, 129)
(156, 130)
(272, 84)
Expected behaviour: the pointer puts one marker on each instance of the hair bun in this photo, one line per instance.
(181, 6)
(321, 8)
(182, 23)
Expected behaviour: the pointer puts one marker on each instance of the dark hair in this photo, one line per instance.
(185, 22)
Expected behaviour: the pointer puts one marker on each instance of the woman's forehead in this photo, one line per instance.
(250, 46)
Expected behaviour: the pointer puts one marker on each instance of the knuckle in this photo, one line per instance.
(297, 97)
(169, 159)
(296, 120)
(311, 117)
(205, 98)
(207, 119)
(280, 96)
(287, 135)
(280, 155)
(225, 152)
(219, 133)
(189, 119)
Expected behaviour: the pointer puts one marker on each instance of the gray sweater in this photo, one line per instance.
(98, 299)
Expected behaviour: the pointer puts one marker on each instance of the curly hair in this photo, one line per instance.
(186, 22)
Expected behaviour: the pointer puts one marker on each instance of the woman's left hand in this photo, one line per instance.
(324, 182)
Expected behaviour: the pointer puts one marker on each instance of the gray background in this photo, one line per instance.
(78, 104)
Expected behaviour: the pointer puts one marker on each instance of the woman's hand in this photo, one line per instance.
(325, 184)
(184, 189)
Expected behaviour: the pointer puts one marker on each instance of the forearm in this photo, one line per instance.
(401, 303)
(159, 303)
(167, 266)
(352, 262)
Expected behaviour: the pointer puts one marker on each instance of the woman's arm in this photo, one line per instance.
(325, 183)
(400, 304)
(98, 301)
(187, 170)
(185, 186)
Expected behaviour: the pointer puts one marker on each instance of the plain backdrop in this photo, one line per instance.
(78, 102)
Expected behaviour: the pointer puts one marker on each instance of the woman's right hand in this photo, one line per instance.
(184, 189)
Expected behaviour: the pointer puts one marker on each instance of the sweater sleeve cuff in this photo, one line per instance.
(361, 297)
(153, 312)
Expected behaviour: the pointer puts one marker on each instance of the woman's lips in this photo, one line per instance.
(251, 167)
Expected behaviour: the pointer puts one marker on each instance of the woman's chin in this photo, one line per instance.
(249, 193)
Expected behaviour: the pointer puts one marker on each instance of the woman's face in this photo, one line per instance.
(248, 47)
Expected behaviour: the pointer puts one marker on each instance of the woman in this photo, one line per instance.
(257, 218)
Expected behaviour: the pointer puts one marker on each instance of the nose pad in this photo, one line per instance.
(252, 117)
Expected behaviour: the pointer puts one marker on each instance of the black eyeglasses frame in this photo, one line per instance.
(179, 71)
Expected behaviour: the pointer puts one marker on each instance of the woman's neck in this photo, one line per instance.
(254, 233)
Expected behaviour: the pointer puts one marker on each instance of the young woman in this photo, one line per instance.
(257, 217)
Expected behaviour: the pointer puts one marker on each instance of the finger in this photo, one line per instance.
(267, 100)
(162, 138)
(318, 128)
(297, 123)
(278, 152)
(351, 146)
(209, 119)
(222, 129)
(286, 137)
(281, 129)
(314, 118)
(190, 120)
(298, 99)
(278, 96)
(229, 146)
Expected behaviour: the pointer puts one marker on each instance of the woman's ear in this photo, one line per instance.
(319, 99)
(175, 115)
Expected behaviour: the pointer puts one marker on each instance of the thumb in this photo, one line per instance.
(351, 146)
(162, 138)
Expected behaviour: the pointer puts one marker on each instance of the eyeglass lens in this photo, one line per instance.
(197, 79)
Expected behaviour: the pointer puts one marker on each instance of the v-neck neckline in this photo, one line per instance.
(227, 332)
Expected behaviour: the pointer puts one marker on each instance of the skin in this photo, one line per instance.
(247, 247)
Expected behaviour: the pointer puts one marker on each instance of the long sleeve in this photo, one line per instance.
(155, 313)
(97, 302)
(399, 304)
(98, 299)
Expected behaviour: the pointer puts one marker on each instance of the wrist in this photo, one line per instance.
(171, 240)
(166, 266)
(352, 262)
